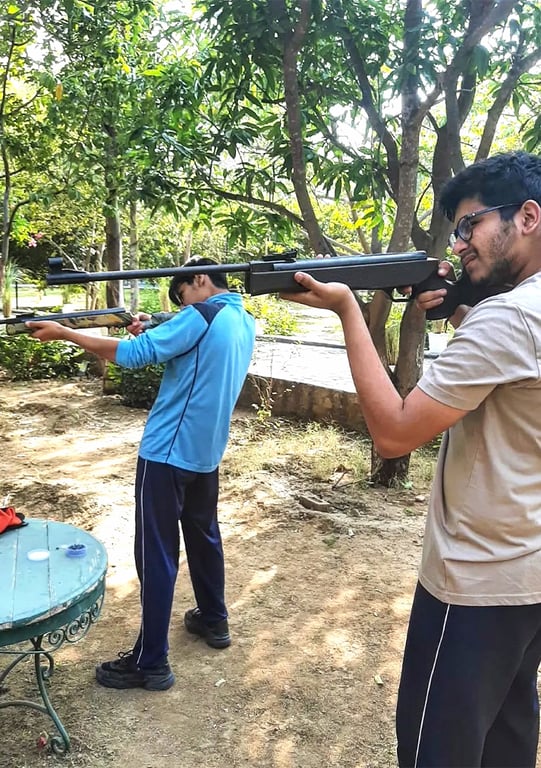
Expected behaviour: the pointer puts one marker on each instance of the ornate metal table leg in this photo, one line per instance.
(71, 633)
(59, 744)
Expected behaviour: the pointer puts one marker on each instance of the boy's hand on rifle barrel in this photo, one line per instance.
(46, 330)
(334, 296)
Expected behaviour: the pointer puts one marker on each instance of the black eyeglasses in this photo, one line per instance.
(464, 228)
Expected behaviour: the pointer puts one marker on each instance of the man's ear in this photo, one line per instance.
(531, 216)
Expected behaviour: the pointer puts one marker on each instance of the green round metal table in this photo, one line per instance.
(53, 578)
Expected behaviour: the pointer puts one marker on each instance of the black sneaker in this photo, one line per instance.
(124, 673)
(216, 635)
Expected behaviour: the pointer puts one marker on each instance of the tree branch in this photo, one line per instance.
(485, 16)
(502, 99)
(367, 100)
(292, 42)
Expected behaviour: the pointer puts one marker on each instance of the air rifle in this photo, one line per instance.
(116, 317)
(275, 274)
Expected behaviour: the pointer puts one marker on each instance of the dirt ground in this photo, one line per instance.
(320, 576)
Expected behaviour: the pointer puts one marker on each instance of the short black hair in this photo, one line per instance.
(505, 178)
(219, 279)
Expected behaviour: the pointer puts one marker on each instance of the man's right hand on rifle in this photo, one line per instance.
(431, 299)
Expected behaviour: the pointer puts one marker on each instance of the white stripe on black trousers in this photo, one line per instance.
(468, 691)
(165, 495)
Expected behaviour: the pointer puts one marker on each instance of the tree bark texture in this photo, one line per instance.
(113, 236)
(133, 257)
(292, 45)
(113, 247)
(406, 373)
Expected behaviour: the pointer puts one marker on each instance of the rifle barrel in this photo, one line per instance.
(59, 276)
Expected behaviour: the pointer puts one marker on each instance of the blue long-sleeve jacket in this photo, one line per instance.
(206, 349)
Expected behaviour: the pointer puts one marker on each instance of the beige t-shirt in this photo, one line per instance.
(483, 534)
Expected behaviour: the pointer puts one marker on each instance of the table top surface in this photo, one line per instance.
(36, 589)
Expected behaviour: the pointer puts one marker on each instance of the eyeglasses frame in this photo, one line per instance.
(455, 234)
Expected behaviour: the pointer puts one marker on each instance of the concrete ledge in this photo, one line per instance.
(302, 401)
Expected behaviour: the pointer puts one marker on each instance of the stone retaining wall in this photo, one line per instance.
(302, 401)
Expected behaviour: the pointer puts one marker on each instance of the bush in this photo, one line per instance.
(392, 332)
(25, 358)
(138, 387)
(149, 299)
(277, 319)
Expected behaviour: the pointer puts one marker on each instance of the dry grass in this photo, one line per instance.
(320, 451)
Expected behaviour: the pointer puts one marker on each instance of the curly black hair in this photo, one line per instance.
(505, 178)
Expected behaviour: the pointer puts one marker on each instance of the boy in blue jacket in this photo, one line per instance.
(206, 349)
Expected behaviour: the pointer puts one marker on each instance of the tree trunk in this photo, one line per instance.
(378, 312)
(389, 472)
(409, 365)
(6, 222)
(133, 257)
(113, 247)
(188, 245)
(4, 252)
(95, 265)
(113, 238)
(408, 369)
(292, 46)
(411, 347)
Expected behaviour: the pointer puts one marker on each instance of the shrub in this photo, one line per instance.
(149, 299)
(392, 332)
(25, 358)
(138, 387)
(277, 319)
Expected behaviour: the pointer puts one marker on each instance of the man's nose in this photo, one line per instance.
(459, 246)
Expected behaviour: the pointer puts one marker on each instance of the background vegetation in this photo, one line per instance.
(138, 132)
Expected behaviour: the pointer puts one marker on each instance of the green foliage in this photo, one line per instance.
(276, 318)
(392, 331)
(197, 127)
(139, 386)
(24, 358)
(184, 113)
(532, 137)
(149, 299)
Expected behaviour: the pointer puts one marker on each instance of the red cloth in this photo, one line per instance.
(10, 519)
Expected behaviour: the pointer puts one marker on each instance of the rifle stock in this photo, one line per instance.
(116, 317)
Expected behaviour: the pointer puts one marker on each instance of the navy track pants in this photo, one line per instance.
(165, 495)
(468, 692)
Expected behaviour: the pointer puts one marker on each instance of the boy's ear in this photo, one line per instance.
(204, 281)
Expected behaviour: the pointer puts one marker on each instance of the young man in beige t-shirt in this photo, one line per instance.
(468, 693)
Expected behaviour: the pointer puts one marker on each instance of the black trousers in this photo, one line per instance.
(165, 495)
(468, 691)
